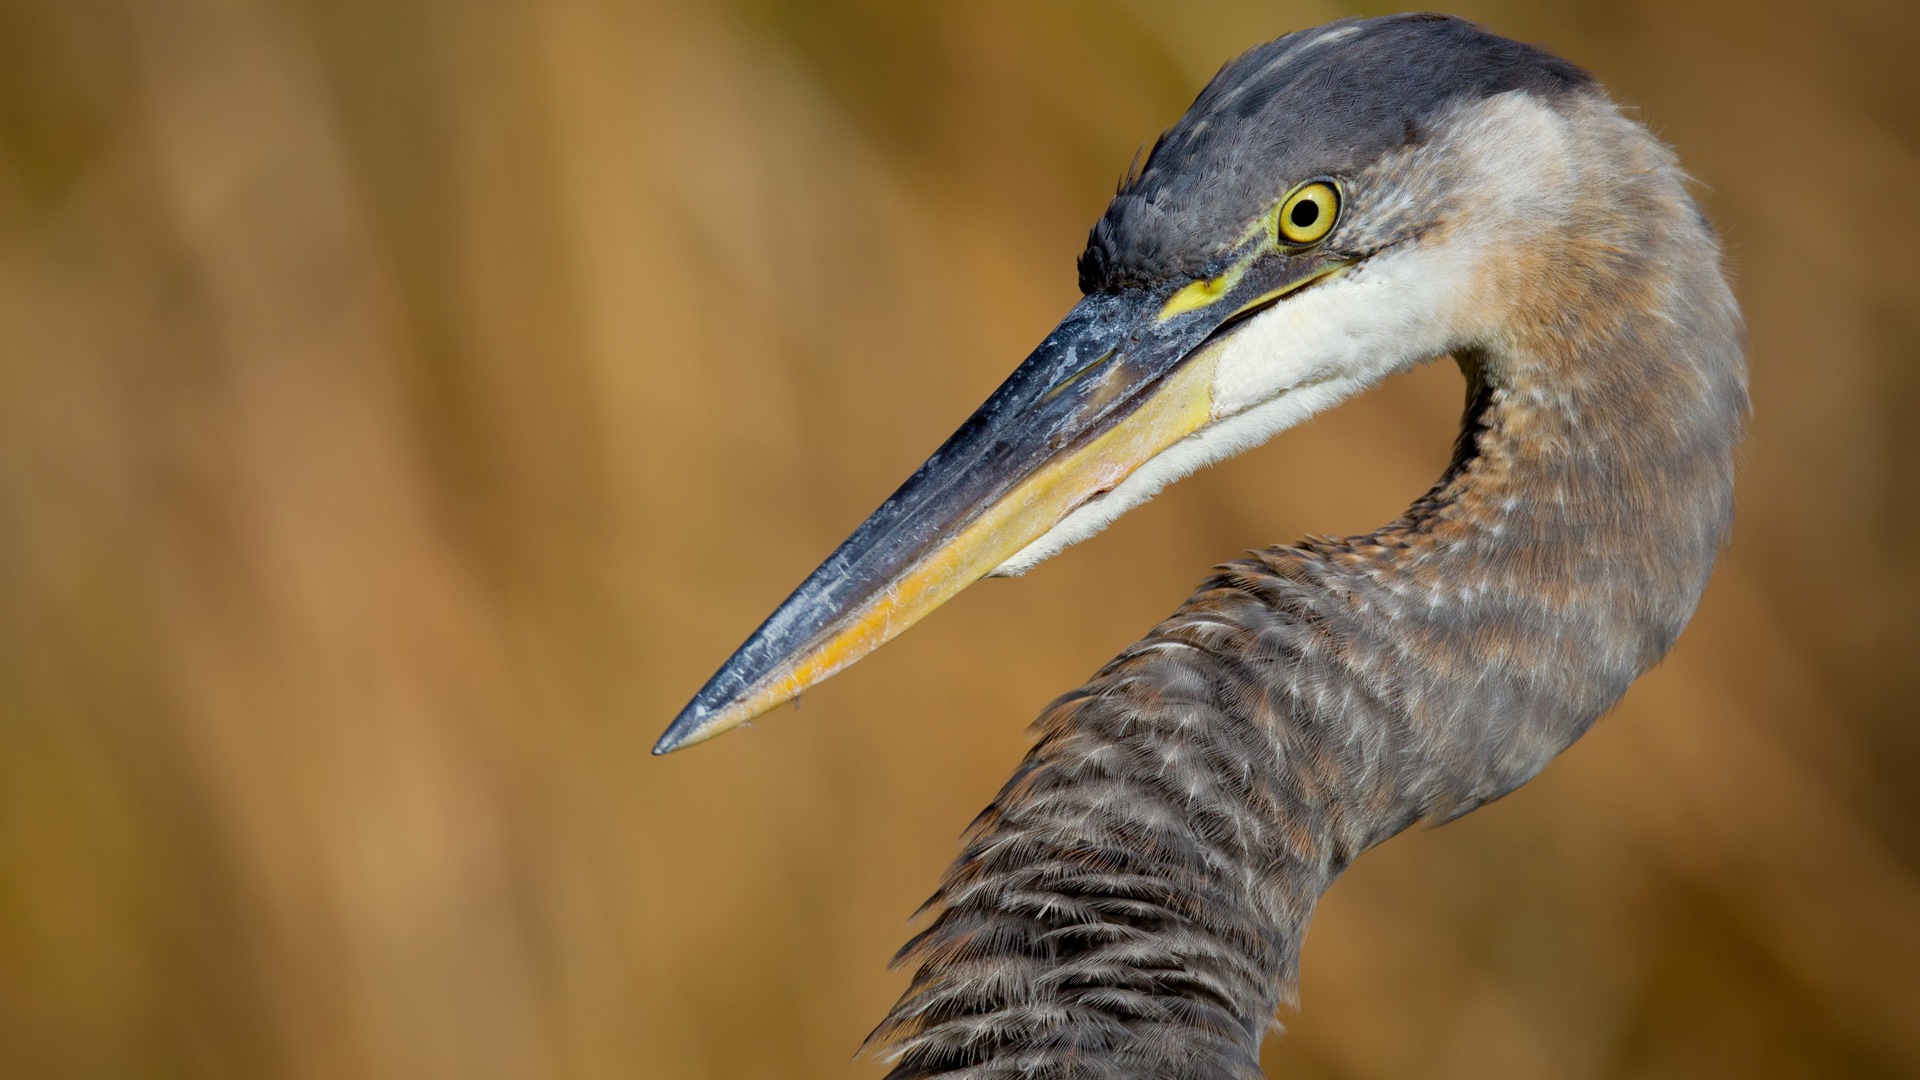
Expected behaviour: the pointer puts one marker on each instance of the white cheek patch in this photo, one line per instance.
(1403, 307)
(1305, 354)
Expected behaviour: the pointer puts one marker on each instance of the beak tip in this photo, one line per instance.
(685, 729)
(701, 720)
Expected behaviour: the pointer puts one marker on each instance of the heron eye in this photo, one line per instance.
(1308, 214)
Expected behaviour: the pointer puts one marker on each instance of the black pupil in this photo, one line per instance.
(1304, 213)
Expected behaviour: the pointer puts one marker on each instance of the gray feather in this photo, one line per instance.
(1133, 902)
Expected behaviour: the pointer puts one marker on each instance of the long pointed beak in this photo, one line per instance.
(1121, 378)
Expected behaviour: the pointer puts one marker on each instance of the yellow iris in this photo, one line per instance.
(1308, 213)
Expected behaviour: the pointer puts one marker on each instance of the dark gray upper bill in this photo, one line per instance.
(1044, 407)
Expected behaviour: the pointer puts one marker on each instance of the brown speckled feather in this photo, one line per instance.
(1132, 903)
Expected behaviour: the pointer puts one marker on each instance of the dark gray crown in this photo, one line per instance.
(1326, 101)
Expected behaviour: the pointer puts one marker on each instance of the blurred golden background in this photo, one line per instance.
(407, 404)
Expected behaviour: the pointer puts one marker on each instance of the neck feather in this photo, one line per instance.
(1133, 902)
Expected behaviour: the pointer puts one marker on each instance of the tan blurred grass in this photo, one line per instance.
(406, 405)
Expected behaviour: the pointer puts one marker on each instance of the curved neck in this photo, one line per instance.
(1133, 902)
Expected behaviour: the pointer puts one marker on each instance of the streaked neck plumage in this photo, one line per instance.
(1133, 902)
(1568, 545)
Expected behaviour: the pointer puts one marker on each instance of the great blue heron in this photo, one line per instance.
(1336, 206)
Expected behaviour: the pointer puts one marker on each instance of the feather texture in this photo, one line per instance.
(1132, 903)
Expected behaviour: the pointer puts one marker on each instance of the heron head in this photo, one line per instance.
(1320, 218)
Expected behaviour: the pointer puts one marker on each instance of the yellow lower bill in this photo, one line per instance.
(1181, 406)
